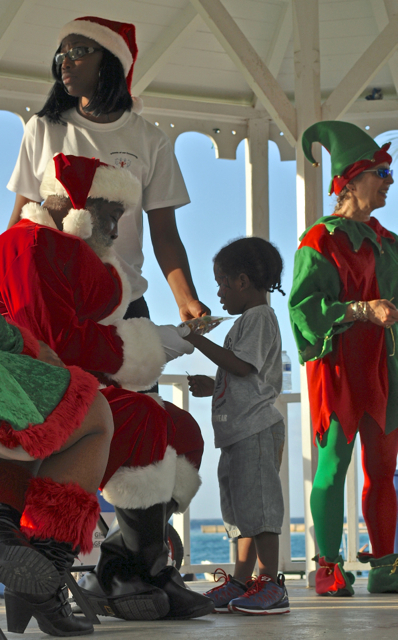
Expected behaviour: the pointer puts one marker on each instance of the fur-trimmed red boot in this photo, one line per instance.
(332, 580)
(22, 567)
(59, 519)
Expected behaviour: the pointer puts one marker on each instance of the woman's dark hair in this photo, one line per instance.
(257, 258)
(111, 93)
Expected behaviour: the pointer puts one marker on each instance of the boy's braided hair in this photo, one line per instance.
(257, 258)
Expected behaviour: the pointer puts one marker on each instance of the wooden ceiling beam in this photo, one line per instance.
(383, 11)
(249, 63)
(280, 41)
(10, 21)
(147, 68)
(359, 76)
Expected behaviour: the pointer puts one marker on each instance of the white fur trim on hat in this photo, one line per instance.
(111, 183)
(120, 311)
(78, 222)
(187, 483)
(106, 37)
(138, 104)
(35, 213)
(142, 487)
(143, 354)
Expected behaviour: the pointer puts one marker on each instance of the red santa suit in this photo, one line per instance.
(53, 283)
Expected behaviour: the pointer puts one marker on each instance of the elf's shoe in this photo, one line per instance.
(383, 575)
(332, 580)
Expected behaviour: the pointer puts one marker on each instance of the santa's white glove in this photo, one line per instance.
(172, 341)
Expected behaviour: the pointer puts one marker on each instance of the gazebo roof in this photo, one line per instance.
(214, 58)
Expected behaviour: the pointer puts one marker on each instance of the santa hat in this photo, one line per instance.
(117, 37)
(80, 178)
(351, 149)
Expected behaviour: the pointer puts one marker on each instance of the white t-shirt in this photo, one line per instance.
(130, 142)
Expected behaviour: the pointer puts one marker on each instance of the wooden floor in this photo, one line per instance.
(363, 617)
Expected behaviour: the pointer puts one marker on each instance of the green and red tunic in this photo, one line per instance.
(352, 367)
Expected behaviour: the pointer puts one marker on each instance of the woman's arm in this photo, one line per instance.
(173, 261)
(20, 202)
(381, 312)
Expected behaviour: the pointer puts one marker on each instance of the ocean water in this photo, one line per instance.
(214, 547)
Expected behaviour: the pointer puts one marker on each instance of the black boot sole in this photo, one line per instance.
(25, 570)
(133, 607)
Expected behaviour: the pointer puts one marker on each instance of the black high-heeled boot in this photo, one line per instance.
(22, 567)
(54, 614)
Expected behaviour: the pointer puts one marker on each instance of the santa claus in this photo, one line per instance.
(60, 279)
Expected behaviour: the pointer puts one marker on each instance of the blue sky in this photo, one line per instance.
(215, 216)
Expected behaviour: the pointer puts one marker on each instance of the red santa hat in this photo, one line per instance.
(117, 37)
(80, 178)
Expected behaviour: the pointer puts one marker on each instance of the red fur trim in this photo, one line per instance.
(31, 346)
(41, 440)
(64, 512)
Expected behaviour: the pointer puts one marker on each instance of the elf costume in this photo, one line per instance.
(352, 367)
(75, 302)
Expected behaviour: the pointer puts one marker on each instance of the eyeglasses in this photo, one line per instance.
(382, 172)
(74, 54)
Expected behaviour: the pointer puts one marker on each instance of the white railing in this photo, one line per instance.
(181, 522)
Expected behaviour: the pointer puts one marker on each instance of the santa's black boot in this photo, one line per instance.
(116, 589)
(146, 528)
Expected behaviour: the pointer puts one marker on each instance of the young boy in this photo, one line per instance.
(248, 428)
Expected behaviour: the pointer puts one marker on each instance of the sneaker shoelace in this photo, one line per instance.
(257, 584)
(226, 578)
(222, 576)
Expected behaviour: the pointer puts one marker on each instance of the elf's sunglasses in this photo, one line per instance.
(382, 172)
(74, 54)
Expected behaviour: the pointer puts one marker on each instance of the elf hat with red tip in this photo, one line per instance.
(117, 37)
(79, 178)
(351, 149)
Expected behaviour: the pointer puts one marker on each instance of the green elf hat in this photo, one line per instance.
(351, 149)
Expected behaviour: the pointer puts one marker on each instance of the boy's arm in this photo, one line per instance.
(223, 358)
(201, 386)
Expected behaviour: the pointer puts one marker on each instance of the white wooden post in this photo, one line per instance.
(309, 208)
(257, 192)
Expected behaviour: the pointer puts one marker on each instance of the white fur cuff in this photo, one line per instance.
(143, 354)
(187, 483)
(142, 487)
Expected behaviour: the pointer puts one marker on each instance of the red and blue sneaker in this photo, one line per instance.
(231, 588)
(264, 597)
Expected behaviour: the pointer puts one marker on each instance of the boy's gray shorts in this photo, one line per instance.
(250, 486)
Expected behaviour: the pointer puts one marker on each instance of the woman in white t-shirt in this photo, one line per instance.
(90, 112)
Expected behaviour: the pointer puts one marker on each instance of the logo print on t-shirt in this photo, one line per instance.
(122, 160)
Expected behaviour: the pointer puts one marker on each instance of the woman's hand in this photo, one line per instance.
(46, 354)
(382, 312)
(201, 386)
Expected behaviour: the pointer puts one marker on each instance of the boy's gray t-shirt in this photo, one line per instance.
(244, 406)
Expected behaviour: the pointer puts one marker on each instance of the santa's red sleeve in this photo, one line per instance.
(49, 290)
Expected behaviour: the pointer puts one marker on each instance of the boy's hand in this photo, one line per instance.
(201, 386)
